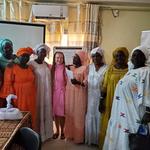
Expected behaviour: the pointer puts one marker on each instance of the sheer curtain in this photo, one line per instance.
(15, 10)
(93, 21)
(76, 25)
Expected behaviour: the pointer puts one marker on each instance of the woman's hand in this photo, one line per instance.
(68, 66)
(74, 81)
(10, 65)
(101, 105)
(146, 118)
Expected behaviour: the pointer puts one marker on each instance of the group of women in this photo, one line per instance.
(99, 105)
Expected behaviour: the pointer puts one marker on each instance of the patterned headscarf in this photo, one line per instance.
(25, 50)
(124, 50)
(3, 43)
(83, 56)
(39, 47)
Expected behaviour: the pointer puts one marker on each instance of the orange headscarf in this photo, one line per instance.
(25, 50)
(83, 56)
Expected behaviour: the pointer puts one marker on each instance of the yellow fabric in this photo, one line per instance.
(112, 76)
(124, 50)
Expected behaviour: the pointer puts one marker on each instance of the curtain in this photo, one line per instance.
(76, 25)
(81, 28)
(15, 10)
(93, 21)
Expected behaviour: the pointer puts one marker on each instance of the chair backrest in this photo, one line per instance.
(30, 139)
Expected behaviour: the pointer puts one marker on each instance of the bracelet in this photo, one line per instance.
(147, 112)
(101, 97)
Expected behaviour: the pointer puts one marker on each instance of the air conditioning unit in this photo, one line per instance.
(50, 11)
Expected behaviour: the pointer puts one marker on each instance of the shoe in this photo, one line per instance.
(62, 137)
(55, 136)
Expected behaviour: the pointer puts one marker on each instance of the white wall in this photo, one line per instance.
(124, 30)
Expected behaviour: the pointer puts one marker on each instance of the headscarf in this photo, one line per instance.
(39, 47)
(83, 56)
(25, 50)
(100, 51)
(97, 50)
(146, 52)
(2, 44)
(124, 50)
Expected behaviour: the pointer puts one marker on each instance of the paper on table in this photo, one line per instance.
(69, 74)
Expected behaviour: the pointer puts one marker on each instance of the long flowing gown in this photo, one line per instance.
(92, 122)
(75, 107)
(21, 82)
(111, 78)
(44, 99)
(131, 97)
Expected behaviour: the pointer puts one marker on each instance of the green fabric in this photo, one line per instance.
(4, 61)
(2, 44)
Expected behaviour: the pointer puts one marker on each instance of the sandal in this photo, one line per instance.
(62, 136)
(55, 136)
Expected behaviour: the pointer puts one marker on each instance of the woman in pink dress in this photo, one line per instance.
(76, 99)
(59, 84)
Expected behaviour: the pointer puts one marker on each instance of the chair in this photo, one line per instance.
(30, 140)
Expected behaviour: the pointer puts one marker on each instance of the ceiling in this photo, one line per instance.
(105, 2)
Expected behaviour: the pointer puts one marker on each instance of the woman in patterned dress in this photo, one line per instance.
(131, 98)
(115, 72)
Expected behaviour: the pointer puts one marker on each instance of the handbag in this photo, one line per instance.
(141, 139)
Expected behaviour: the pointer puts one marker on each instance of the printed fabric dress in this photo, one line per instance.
(44, 99)
(92, 122)
(131, 97)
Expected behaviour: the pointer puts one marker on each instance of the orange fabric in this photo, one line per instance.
(25, 50)
(7, 87)
(21, 82)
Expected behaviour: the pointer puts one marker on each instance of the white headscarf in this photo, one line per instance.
(39, 47)
(97, 50)
(100, 51)
(146, 52)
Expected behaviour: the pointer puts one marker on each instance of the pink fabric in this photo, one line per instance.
(59, 91)
(75, 107)
(83, 57)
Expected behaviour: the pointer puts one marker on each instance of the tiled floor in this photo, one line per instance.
(65, 145)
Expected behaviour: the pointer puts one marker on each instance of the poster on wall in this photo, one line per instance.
(145, 38)
(68, 52)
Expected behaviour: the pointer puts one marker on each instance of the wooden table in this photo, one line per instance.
(9, 128)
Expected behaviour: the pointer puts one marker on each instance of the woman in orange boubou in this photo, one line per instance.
(19, 79)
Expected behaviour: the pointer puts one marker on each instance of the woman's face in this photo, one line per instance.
(97, 59)
(41, 54)
(24, 58)
(59, 58)
(120, 58)
(138, 58)
(76, 60)
(8, 50)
